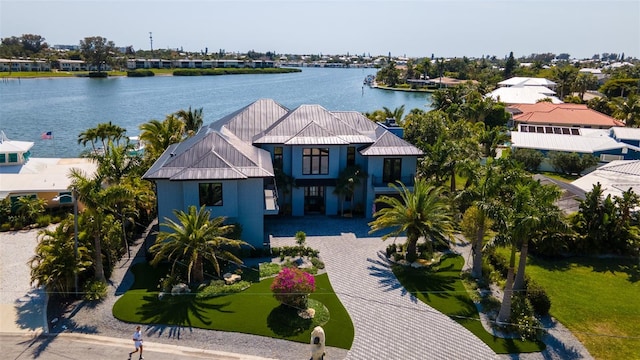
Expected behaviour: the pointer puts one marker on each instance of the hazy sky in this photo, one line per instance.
(412, 28)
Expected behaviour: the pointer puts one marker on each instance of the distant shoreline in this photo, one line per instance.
(376, 86)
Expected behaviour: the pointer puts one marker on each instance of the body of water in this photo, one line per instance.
(68, 106)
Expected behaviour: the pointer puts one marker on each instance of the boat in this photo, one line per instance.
(369, 80)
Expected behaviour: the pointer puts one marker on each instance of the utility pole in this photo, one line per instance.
(151, 41)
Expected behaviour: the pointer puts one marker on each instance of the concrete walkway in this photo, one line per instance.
(389, 322)
(22, 306)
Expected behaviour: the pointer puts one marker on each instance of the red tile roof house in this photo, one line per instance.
(545, 117)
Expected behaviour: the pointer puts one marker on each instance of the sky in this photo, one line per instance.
(412, 28)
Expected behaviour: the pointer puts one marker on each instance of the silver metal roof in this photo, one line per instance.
(252, 119)
(315, 125)
(595, 141)
(390, 144)
(213, 155)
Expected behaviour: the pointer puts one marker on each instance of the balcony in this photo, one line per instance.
(381, 187)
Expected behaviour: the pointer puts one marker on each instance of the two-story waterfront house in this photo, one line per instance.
(230, 166)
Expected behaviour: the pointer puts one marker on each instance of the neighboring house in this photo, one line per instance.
(46, 178)
(615, 178)
(231, 165)
(521, 94)
(627, 135)
(598, 143)
(551, 118)
(517, 81)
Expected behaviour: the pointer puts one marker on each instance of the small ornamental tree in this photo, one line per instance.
(292, 287)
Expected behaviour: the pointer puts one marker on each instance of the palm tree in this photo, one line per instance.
(545, 217)
(89, 136)
(483, 193)
(192, 120)
(347, 182)
(195, 238)
(628, 110)
(158, 135)
(425, 213)
(54, 264)
(396, 113)
(99, 201)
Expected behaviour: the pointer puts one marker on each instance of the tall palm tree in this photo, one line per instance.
(99, 200)
(192, 120)
(54, 264)
(193, 239)
(89, 136)
(423, 212)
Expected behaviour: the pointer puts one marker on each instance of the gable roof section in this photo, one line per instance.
(326, 129)
(252, 119)
(625, 133)
(215, 155)
(562, 114)
(389, 144)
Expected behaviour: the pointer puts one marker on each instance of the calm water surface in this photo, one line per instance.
(68, 106)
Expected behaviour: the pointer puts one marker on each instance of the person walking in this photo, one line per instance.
(137, 341)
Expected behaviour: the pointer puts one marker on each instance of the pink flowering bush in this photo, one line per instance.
(292, 287)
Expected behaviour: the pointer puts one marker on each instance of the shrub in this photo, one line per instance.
(538, 298)
(522, 319)
(292, 287)
(95, 291)
(530, 158)
(44, 220)
(301, 237)
(167, 282)
(317, 263)
(218, 288)
(140, 73)
(269, 269)
(284, 251)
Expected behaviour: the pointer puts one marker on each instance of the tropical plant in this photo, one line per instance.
(530, 158)
(192, 120)
(158, 135)
(29, 208)
(421, 213)
(348, 179)
(54, 264)
(193, 239)
(395, 114)
(292, 286)
(571, 163)
(628, 110)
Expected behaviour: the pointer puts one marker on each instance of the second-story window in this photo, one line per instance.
(210, 194)
(315, 161)
(277, 157)
(391, 170)
(351, 156)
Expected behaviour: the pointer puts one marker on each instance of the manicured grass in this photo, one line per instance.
(597, 299)
(443, 290)
(253, 311)
(560, 177)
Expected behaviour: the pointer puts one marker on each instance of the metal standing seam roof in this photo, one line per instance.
(390, 144)
(327, 129)
(252, 119)
(615, 177)
(569, 143)
(213, 156)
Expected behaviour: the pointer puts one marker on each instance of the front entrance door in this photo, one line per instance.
(314, 200)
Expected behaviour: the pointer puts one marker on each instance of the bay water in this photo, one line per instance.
(68, 106)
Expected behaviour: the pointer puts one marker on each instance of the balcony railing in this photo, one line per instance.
(377, 181)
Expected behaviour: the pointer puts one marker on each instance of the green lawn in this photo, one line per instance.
(597, 299)
(253, 311)
(444, 291)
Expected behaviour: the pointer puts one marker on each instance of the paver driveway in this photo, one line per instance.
(389, 322)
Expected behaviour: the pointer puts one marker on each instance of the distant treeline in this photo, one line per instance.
(232, 71)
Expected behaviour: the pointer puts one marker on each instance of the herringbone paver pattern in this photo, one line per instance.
(389, 322)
